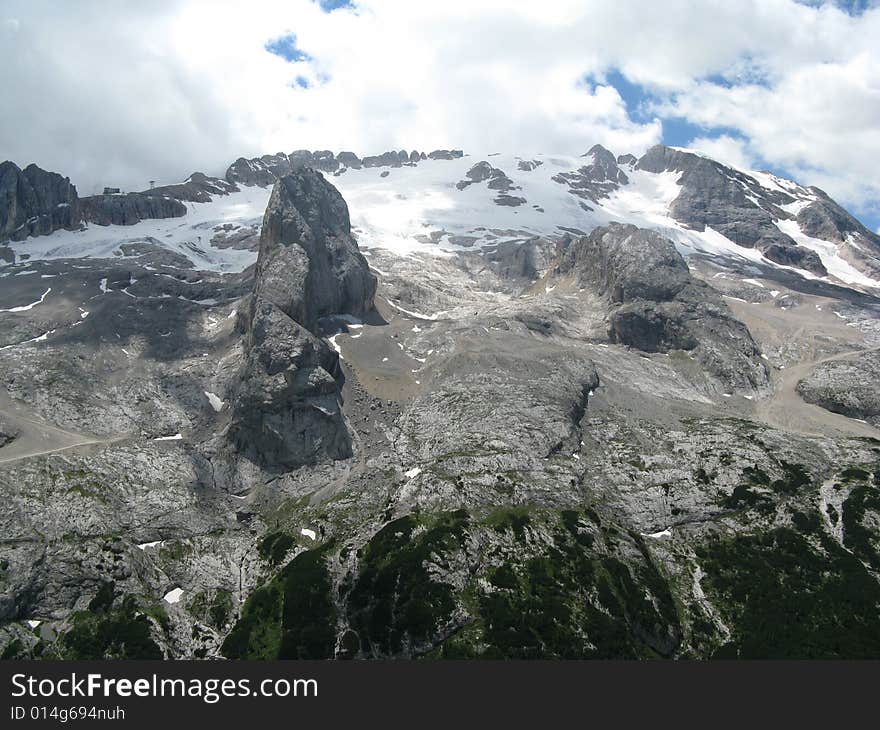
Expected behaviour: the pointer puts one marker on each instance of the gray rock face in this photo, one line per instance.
(309, 265)
(349, 159)
(445, 154)
(723, 198)
(495, 179)
(34, 202)
(386, 159)
(126, 210)
(197, 188)
(598, 179)
(325, 161)
(657, 306)
(261, 171)
(287, 411)
(825, 219)
(528, 165)
(630, 160)
(848, 387)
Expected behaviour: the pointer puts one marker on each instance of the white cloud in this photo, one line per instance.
(119, 95)
(729, 150)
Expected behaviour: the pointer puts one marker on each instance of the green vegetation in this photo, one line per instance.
(212, 609)
(786, 598)
(292, 617)
(274, 546)
(863, 498)
(572, 602)
(394, 600)
(105, 632)
(794, 478)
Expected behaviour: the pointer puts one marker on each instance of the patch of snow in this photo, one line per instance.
(26, 307)
(40, 338)
(145, 545)
(173, 596)
(335, 345)
(175, 437)
(412, 473)
(306, 532)
(215, 401)
(829, 253)
(188, 235)
(417, 315)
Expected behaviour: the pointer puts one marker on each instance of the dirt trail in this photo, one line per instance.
(806, 334)
(786, 409)
(37, 438)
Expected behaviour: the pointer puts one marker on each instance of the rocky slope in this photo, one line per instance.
(732, 203)
(405, 419)
(658, 306)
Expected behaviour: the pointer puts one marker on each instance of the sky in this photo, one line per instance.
(113, 92)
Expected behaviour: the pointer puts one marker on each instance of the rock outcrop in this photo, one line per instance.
(596, 180)
(197, 188)
(658, 306)
(826, 220)
(130, 208)
(260, 171)
(732, 203)
(848, 387)
(34, 202)
(495, 179)
(287, 411)
(266, 170)
(445, 154)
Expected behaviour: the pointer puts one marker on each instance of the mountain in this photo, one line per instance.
(439, 404)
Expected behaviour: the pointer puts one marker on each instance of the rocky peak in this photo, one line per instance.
(604, 166)
(595, 181)
(35, 202)
(495, 179)
(287, 409)
(309, 265)
(732, 203)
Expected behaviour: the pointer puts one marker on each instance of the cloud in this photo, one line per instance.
(155, 90)
(729, 150)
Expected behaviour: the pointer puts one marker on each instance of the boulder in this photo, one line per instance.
(846, 386)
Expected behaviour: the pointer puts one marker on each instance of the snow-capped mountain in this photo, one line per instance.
(444, 203)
